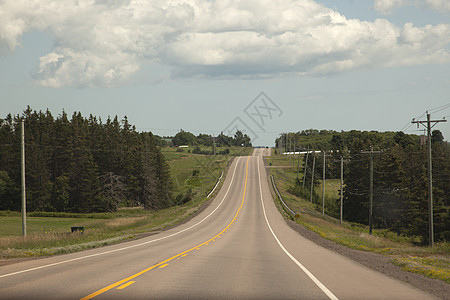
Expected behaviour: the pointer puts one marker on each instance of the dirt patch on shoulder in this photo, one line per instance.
(378, 263)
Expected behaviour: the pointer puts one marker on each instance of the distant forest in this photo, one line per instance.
(78, 164)
(400, 199)
(185, 138)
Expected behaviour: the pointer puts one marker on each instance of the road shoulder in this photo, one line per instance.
(378, 263)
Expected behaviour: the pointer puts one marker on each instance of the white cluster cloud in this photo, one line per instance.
(439, 5)
(103, 43)
(387, 6)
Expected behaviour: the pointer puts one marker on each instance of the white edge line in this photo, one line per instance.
(304, 269)
(128, 247)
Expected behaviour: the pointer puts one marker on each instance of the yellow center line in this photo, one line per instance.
(184, 253)
(125, 285)
(163, 266)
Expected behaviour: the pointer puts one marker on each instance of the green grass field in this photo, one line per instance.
(11, 226)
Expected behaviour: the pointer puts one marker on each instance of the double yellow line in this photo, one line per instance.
(127, 281)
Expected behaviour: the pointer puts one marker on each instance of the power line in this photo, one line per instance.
(406, 127)
(440, 108)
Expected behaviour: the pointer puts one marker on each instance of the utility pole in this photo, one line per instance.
(323, 185)
(214, 145)
(24, 201)
(312, 178)
(430, 175)
(298, 164)
(286, 145)
(371, 152)
(280, 149)
(342, 190)
(290, 149)
(293, 157)
(371, 190)
(285, 142)
(290, 144)
(280, 145)
(306, 167)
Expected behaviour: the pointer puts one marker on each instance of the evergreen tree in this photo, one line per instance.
(81, 165)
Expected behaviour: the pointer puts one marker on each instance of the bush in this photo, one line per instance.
(197, 150)
(183, 198)
(223, 152)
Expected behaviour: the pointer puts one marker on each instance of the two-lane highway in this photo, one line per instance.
(239, 247)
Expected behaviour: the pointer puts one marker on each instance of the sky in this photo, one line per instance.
(204, 66)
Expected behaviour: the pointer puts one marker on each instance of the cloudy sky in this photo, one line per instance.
(264, 67)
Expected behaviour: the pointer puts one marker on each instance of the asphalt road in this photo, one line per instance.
(239, 247)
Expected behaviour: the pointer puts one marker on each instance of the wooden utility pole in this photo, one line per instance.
(341, 219)
(293, 157)
(323, 185)
(286, 147)
(430, 175)
(306, 167)
(280, 145)
(312, 178)
(24, 201)
(371, 152)
(342, 190)
(371, 190)
(290, 149)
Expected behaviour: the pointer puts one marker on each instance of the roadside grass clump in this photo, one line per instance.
(123, 222)
(438, 267)
(354, 239)
(52, 244)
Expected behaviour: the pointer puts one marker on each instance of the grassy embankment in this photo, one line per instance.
(404, 252)
(49, 233)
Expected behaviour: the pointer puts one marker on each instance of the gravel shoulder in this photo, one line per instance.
(378, 263)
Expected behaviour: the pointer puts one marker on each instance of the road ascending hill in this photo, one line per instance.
(239, 247)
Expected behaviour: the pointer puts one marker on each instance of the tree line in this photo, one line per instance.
(80, 164)
(222, 140)
(400, 179)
